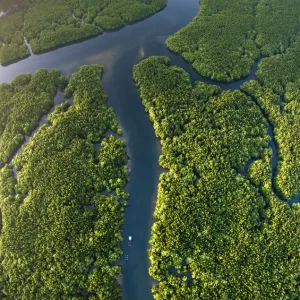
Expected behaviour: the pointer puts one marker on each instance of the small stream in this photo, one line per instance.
(59, 99)
(28, 46)
(273, 145)
(118, 52)
(274, 161)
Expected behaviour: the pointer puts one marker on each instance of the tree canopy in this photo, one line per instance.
(47, 24)
(23, 102)
(218, 233)
(227, 36)
(61, 216)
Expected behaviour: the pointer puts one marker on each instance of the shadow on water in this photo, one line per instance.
(118, 52)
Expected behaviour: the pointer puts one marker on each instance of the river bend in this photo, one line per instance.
(118, 52)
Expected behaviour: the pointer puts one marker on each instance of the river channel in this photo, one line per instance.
(118, 52)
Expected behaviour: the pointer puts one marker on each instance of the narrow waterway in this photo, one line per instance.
(274, 161)
(58, 99)
(143, 150)
(118, 52)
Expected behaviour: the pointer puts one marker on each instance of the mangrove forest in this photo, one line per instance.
(62, 201)
(201, 126)
(220, 233)
(48, 24)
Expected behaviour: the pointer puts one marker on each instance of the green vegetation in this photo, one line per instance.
(218, 234)
(9, 6)
(50, 24)
(219, 42)
(278, 71)
(226, 37)
(60, 232)
(277, 25)
(22, 104)
(278, 78)
(12, 45)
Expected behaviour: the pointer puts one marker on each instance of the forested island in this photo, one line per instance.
(22, 104)
(61, 214)
(49, 24)
(227, 213)
(227, 36)
(219, 233)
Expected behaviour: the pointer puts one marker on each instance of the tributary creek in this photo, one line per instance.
(118, 52)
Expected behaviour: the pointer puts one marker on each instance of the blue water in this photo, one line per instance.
(118, 52)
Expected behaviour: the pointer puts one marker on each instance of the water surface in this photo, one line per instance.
(118, 52)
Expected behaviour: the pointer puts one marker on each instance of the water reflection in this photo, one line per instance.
(118, 52)
(159, 26)
(141, 54)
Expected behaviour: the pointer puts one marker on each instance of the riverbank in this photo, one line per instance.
(118, 52)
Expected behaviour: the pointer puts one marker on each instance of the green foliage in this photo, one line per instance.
(22, 104)
(132, 10)
(217, 234)
(109, 23)
(259, 172)
(286, 122)
(277, 24)
(61, 219)
(278, 78)
(50, 39)
(277, 71)
(219, 41)
(12, 45)
(50, 24)
(226, 37)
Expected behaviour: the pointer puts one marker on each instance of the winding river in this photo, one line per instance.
(118, 52)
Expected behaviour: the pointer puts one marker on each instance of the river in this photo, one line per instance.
(118, 52)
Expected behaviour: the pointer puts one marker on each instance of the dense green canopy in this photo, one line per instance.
(22, 104)
(218, 234)
(227, 36)
(47, 24)
(276, 91)
(60, 219)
